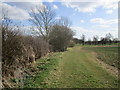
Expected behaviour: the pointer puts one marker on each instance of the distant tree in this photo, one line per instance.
(115, 40)
(71, 43)
(95, 39)
(109, 38)
(103, 40)
(89, 41)
(76, 40)
(83, 39)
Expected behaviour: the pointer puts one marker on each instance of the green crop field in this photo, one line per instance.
(107, 54)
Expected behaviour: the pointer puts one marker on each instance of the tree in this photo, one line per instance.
(43, 19)
(109, 38)
(64, 21)
(76, 40)
(83, 39)
(11, 42)
(40, 46)
(60, 37)
(115, 40)
(95, 39)
(89, 41)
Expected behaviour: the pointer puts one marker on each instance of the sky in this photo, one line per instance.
(97, 17)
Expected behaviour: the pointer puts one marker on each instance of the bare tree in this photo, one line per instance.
(83, 39)
(95, 39)
(43, 19)
(89, 41)
(64, 21)
(109, 38)
(115, 40)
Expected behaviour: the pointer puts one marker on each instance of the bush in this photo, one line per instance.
(40, 46)
(71, 43)
(59, 37)
(19, 51)
(12, 46)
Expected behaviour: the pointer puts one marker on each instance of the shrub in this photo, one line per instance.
(59, 37)
(19, 50)
(39, 45)
(71, 43)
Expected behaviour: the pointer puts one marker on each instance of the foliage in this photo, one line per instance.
(59, 37)
(39, 45)
(71, 43)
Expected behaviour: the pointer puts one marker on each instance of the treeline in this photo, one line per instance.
(107, 40)
(20, 50)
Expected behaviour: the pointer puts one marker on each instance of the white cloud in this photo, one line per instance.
(27, 5)
(113, 4)
(14, 12)
(27, 0)
(91, 6)
(81, 6)
(92, 32)
(48, 0)
(104, 21)
(55, 6)
(109, 11)
(20, 10)
(101, 26)
(104, 26)
(82, 21)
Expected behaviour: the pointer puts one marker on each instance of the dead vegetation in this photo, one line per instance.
(20, 50)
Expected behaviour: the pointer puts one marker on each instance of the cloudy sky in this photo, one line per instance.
(97, 17)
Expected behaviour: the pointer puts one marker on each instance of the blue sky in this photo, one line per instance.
(89, 18)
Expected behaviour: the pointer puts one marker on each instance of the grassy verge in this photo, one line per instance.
(75, 68)
(79, 69)
(43, 66)
(107, 54)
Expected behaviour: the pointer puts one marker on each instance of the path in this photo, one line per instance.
(79, 69)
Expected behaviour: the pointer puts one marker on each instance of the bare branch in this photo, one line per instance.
(43, 19)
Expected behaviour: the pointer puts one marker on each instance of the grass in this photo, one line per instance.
(75, 68)
(78, 69)
(107, 54)
(44, 66)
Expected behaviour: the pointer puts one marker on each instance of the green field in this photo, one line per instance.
(107, 54)
(75, 68)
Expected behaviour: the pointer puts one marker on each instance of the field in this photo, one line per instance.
(75, 68)
(107, 54)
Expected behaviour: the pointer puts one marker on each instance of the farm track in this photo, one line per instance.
(79, 68)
